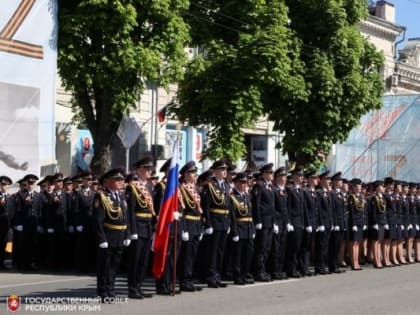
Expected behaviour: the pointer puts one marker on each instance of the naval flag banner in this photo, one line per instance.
(28, 58)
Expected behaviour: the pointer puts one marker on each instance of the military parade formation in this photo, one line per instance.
(261, 225)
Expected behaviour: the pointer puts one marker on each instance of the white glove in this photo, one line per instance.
(185, 236)
(104, 245)
(253, 236)
(40, 229)
(209, 231)
(289, 227)
(258, 226)
(126, 242)
(417, 227)
(19, 228)
(321, 228)
(364, 227)
(308, 229)
(410, 226)
(235, 238)
(79, 228)
(376, 227)
(50, 231)
(134, 237)
(176, 215)
(354, 228)
(228, 230)
(386, 227)
(200, 237)
(336, 228)
(332, 227)
(402, 228)
(275, 229)
(71, 229)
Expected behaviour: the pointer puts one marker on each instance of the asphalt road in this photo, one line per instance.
(371, 291)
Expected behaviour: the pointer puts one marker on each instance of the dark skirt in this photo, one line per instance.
(391, 234)
(377, 235)
(398, 233)
(357, 236)
(412, 232)
(417, 234)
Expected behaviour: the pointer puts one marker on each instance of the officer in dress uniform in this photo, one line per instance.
(164, 283)
(296, 207)
(85, 237)
(412, 205)
(5, 215)
(191, 225)
(417, 239)
(324, 224)
(390, 238)
(142, 215)
(377, 213)
(217, 212)
(338, 209)
(400, 221)
(69, 202)
(111, 226)
(243, 231)
(265, 224)
(279, 244)
(357, 213)
(25, 223)
(310, 215)
(405, 210)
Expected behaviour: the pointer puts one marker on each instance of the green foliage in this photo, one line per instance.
(109, 49)
(313, 75)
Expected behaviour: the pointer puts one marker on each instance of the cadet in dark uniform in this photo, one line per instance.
(142, 215)
(217, 212)
(85, 237)
(357, 213)
(377, 213)
(400, 222)
(112, 231)
(310, 215)
(390, 245)
(279, 244)
(412, 205)
(405, 210)
(338, 222)
(296, 207)
(25, 223)
(191, 225)
(417, 239)
(263, 212)
(69, 201)
(324, 224)
(243, 231)
(5, 215)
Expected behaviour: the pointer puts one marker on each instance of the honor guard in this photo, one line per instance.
(217, 212)
(5, 215)
(25, 223)
(357, 214)
(338, 208)
(295, 205)
(279, 244)
(142, 215)
(191, 227)
(390, 238)
(310, 215)
(112, 231)
(324, 224)
(243, 231)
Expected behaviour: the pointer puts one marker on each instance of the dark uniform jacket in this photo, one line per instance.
(111, 222)
(216, 205)
(338, 208)
(263, 204)
(243, 225)
(311, 208)
(357, 210)
(140, 210)
(26, 211)
(281, 214)
(296, 206)
(391, 208)
(324, 209)
(84, 206)
(377, 210)
(192, 215)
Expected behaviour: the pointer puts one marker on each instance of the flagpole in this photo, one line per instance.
(175, 252)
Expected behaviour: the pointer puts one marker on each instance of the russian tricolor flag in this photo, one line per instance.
(169, 206)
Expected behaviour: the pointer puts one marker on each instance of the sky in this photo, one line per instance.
(408, 15)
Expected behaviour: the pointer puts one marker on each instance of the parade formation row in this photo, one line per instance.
(242, 226)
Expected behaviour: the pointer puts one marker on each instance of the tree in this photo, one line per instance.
(108, 51)
(247, 49)
(313, 77)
